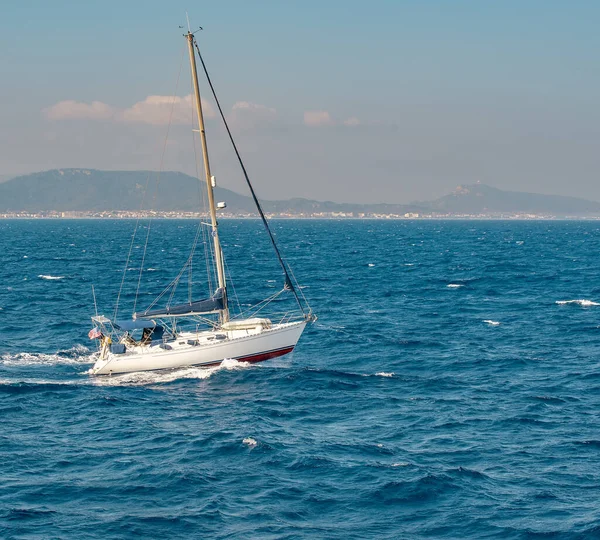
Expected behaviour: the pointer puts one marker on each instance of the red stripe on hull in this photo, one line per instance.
(265, 356)
(255, 357)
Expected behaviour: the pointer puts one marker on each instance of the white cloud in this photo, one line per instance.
(351, 122)
(246, 115)
(70, 109)
(253, 107)
(317, 118)
(159, 110)
(155, 110)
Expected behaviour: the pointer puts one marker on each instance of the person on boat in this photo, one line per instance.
(129, 339)
(146, 336)
(105, 343)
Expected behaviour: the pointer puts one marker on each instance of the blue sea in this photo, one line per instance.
(449, 389)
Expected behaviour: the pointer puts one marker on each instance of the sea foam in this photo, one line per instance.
(583, 302)
(250, 442)
(142, 378)
(75, 355)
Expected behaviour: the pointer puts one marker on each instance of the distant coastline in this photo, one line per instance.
(90, 193)
(316, 216)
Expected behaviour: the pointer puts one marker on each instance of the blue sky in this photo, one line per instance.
(349, 101)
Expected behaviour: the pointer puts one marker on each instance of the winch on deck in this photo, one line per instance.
(255, 323)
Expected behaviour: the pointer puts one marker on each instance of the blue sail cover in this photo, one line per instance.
(210, 305)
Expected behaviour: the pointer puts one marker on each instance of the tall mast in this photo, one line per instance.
(211, 198)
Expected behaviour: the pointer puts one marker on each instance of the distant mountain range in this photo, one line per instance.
(479, 198)
(89, 190)
(81, 190)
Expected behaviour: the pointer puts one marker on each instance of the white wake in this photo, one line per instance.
(143, 378)
(79, 354)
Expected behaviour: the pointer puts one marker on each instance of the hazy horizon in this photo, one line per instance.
(242, 190)
(393, 102)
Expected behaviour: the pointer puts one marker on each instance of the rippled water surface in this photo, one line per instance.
(449, 389)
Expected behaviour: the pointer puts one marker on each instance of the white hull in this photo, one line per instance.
(278, 340)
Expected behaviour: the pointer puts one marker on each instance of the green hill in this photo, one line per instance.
(482, 199)
(93, 190)
(82, 190)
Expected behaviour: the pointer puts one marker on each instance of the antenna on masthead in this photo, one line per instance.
(189, 27)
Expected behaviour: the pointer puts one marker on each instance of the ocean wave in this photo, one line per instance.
(48, 277)
(582, 302)
(491, 323)
(34, 386)
(384, 374)
(418, 490)
(250, 442)
(592, 443)
(454, 285)
(472, 473)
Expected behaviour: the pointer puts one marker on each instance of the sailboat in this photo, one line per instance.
(200, 333)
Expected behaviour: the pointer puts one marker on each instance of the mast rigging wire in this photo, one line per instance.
(288, 282)
(116, 311)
